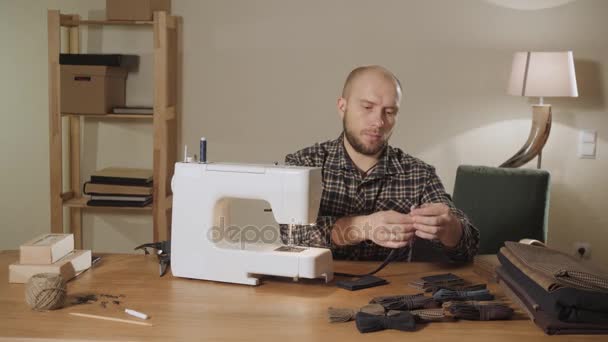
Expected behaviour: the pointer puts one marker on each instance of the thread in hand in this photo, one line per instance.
(45, 291)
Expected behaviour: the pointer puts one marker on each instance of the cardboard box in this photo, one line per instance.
(135, 9)
(92, 89)
(69, 266)
(46, 249)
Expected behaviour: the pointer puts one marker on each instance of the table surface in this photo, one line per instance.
(278, 310)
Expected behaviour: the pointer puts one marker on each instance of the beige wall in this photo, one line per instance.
(261, 80)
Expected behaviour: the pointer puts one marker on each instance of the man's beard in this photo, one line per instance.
(358, 145)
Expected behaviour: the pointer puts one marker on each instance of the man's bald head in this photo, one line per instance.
(356, 74)
(368, 108)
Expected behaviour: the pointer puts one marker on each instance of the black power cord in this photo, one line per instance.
(386, 261)
(389, 258)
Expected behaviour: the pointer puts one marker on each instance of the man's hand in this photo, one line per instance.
(435, 221)
(390, 228)
(386, 228)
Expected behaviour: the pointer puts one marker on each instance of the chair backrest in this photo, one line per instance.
(505, 204)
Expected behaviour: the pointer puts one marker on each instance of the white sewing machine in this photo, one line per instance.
(201, 195)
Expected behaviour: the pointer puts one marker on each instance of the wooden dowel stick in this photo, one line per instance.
(110, 318)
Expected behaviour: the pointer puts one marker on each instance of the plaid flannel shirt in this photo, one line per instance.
(396, 183)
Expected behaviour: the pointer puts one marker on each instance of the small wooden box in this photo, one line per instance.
(142, 10)
(69, 266)
(46, 249)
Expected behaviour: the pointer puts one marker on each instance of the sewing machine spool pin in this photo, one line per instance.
(290, 236)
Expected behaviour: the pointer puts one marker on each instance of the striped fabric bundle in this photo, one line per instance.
(554, 269)
(404, 302)
(473, 287)
(431, 315)
(444, 295)
(340, 315)
(478, 311)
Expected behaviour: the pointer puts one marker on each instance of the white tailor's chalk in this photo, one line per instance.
(136, 314)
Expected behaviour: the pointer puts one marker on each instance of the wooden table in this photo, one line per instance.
(278, 310)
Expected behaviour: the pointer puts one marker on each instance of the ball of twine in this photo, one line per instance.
(45, 291)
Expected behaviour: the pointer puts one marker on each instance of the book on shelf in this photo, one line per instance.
(143, 110)
(122, 176)
(111, 60)
(119, 201)
(121, 198)
(111, 189)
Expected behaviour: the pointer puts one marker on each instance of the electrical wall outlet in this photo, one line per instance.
(587, 144)
(582, 250)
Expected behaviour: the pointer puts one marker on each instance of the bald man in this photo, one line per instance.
(377, 198)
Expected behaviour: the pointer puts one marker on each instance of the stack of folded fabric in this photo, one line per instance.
(561, 294)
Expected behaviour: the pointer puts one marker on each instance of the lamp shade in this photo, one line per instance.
(543, 74)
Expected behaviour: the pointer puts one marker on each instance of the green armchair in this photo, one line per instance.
(505, 204)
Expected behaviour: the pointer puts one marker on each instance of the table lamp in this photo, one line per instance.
(540, 74)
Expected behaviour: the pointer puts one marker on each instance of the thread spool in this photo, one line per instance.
(203, 150)
(45, 291)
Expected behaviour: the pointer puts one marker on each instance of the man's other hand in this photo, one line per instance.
(390, 228)
(435, 221)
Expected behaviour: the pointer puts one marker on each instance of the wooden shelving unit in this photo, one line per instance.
(167, 29)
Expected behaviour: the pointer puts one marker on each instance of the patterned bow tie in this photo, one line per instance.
(403, 321)
(444, 295)
(339, 315)
(478, 311)
(404, 302)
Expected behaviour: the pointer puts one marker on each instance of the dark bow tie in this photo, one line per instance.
(403, 321)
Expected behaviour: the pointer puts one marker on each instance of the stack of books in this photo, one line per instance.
(120, 187)
(49, 253)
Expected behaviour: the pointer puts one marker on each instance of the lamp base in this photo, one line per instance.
(539, 133)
